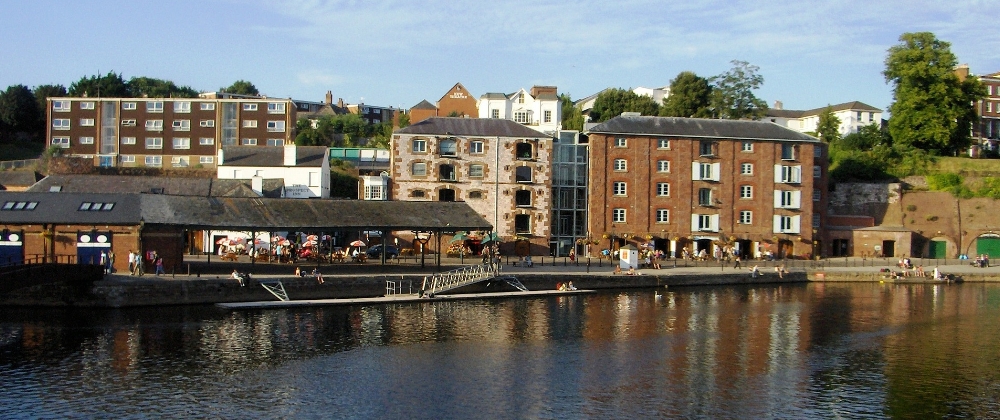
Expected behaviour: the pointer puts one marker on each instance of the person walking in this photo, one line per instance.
(737, 265)
(131, 262)
(111, 261)
(159, 265)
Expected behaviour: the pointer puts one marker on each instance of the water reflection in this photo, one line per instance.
(823, 350)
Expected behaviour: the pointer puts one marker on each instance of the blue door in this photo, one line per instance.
(106, 161)
(89, 246)
(11, 248)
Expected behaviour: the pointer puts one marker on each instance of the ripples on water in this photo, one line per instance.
(810, 351)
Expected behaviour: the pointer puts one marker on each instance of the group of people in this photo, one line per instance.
(315, 274)
(136, 262)
(982, 261)
(564, 287)
(778, 269)
(631, 270)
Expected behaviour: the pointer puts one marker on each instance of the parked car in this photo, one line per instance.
(376, 251)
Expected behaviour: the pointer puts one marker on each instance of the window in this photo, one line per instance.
(817, 151)
(128, 123)
(89, 206)
(86, 140)
(206, 141)
(476, 170)
(618, 188)
(419, 169)
(663, 166)
(208, 106)
(706, 148)
(86, 122)
(62, 142)
(817, 171)
(183, 107)
(475, 195)
(61, 106)
(155, 161)
(705, 222)
(249, 107)
(180, 161)
(182, 125)
(476, 147)
(206, 159)
(154, 142)
(547, 116)
(495, 113)
(154, 125)
(618, 215)
(522, 117)
(786, 224)
(448, 147)
(787, 152)
(787, 174)
(705, 171)
(746, 191)
(276, 126)
(86, 105)
(746, 169)
(705, 197)
(817, 195)
(662, 216)
(524, 151)
(418, 194)
(620, 165)
(522, 174)
(522, 198)
(60, 124)
(275, 142)
(249, 123)
(816, 220)
(746, 217)
(419, 146)
(128, 106)
(182, 143)
(663, 144)
(128, 140)
(787, 199)
(522, 223)
(154, 106)
(374, 192)
(662, 189)
(859, 116)
(19, 205)
(128, 158)
(747, 146)
(207, 123)
(621, 142)
(275, 108)
(248, 142)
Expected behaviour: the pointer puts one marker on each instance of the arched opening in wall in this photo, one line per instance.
(522, 224)
(522, 198)
(475, 195)
(446, 194)
(525, 151)
(989, 245)
(522, 174)
(446, 172)
(785, 249)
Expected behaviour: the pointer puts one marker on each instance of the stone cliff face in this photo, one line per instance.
(879, 201)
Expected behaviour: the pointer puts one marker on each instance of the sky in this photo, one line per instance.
(811, 53)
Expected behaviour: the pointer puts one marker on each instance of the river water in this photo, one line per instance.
(799, 351)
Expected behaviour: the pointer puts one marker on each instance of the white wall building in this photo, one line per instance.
(658, 95)
(538, 109)
(852, 115)
(305, 170)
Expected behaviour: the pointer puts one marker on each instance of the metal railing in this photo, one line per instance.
(448, 280)
(17, 164)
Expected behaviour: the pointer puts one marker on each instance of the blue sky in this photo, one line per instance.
(396, 53)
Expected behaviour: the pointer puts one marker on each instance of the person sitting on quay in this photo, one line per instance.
(298, 272)
(618, 270)
(570, 286)
(919, 272)
(318, 275)
(780, 269)
(238, 277)
(754, 271)
(631, 271)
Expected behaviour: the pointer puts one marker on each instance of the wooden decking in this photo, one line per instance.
(394, 299)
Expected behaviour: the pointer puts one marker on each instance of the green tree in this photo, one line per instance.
(241, 87)
(18, 112)
(572, 118)
(111, 85)
(867, 137)
(828, 128)
(613, 102)
(732, 93)
(42, 93)
(403, 121)
(159, 88)
(690, 97)
(932, 107)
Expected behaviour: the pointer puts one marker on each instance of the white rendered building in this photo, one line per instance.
(538, 109)
(305, 170)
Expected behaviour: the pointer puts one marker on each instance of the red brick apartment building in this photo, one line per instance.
(988, 128)
(701, 184)
(165, 132)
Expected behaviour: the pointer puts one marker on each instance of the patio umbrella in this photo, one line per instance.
(222, 241)
(357, 243)
(490, 237)
(459, 236)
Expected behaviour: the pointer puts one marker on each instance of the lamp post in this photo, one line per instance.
(422, 238)
(614, 241)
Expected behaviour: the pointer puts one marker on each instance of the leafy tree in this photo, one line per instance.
(572, 118)
(454, 114)
(690, 97)
(241, 87)
(111, 85)
(42, 93)
(159, 88)
(403, 121)
(828, 128)
(732, 93)
(867, 137)
(345, 130)
(18, 110)
(613, 102)
(932, 108)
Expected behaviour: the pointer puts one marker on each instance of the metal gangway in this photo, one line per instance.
(470, 274)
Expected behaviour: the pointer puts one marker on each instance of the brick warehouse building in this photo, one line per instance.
(165, 132)
(499, 167)
(700, 184)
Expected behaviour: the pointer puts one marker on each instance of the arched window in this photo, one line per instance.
(522, 198)
(446, 195)
(522, 174)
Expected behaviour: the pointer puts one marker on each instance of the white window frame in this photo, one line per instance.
(547, 116)
(61, 142)
(87, 105)
(248, 142)
(621, 142)
(207, 106)
(62, 106)
(206, 141)
(662, 216)
(153, 161)
(619, 189)
(619, 215)
(275, 107)
(663, 166)
(620, 165)
(128, 140)
(522, 117)
(663, 144)
(86, 140)
(61, 124)
(249, 123)
(415, 172)
(128, 122)
(787, 224)
(704, 222)
(181, 125)
(182, 107)
(787, 199)
(784, 174)
(127, 158)
(276, 142)
(746, 217)
(181, 143)
(154, 125)
(276, 126)
(747, 146)
(86, 122)
(206, 159)
(746, 192)
(495, 113)
(746, 169)
(419, 146)
(129, 106)
(706, 171)
(663, 189)
(207, 123)
(476, 148)
(249, 107)
(154, 107)
(154, 142)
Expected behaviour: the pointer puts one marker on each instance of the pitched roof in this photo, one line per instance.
(311, 156)
(494, 95)
(18, 179)
(493, 127)
(204, 187)
(846, 106)
(424, 105)
(242, 213)
(700, 128)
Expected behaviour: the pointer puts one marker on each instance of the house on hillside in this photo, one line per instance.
(852, 115)
(538, 109)
(305, 170)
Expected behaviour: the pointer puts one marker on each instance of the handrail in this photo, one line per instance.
(453, 279)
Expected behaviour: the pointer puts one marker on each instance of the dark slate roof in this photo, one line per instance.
(18, 179)
(242, 213)
(124, 184)
(547, 95)
(789, 113)
(424, 105)
(494, 95)
(700, 128)
(243, 188)
(488, 127)
(263, 156)
(784, 113)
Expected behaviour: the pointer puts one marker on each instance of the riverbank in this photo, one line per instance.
(211, 284)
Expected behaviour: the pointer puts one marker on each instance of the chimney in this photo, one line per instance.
(257, 184)
(290, 155)
(329, 97)
(962, 71)
(220, 161)
(778, 105)
(340, 102)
